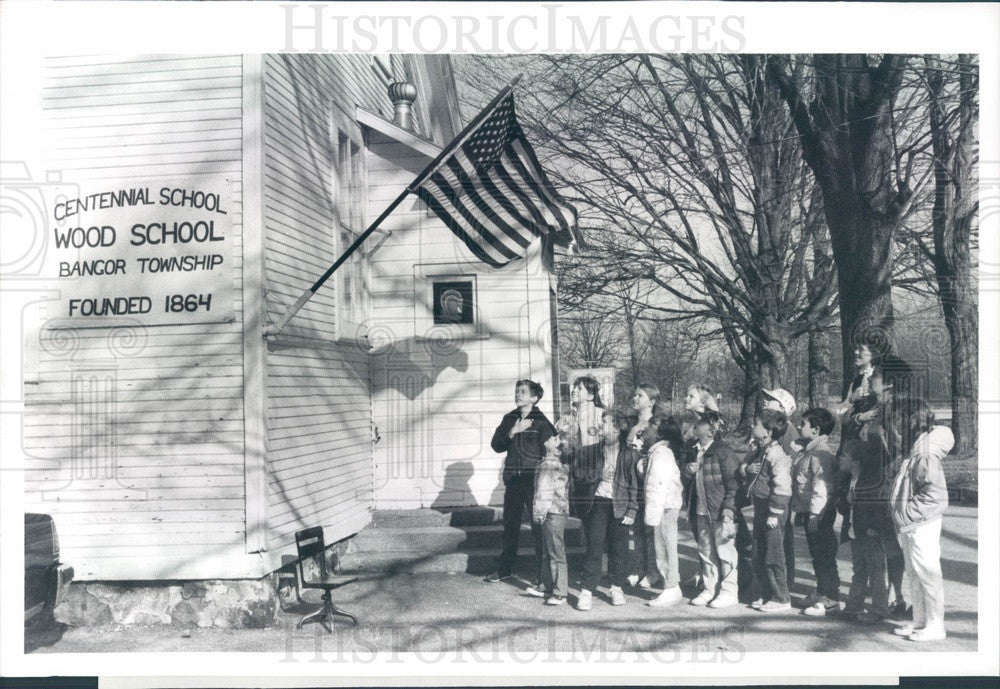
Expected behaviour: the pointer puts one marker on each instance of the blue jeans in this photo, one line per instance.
(556, 579)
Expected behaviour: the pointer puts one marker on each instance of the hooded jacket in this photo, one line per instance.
(663, 483)
(919, 492)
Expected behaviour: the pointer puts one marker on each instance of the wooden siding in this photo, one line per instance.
(437, 406)
(136, 435)
(318, 403)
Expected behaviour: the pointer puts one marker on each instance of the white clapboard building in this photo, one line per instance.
(170, 438)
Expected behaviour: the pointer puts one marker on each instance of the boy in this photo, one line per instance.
(813, 476)
(551, 507)
(769, 471)
(711, 488)
(522, 434)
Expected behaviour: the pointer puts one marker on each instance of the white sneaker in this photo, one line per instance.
(645, 583)
(723, 600)
(905, 630)
(669, 596)
(703, 598)
(585, 600)
(535, 590)
(821, 608)
(775, 606)
(812, 599)
(617, 596)
(927, 634)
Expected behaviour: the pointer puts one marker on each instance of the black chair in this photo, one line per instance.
(310, 545)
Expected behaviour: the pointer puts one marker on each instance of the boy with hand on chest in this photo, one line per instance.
(522, 434)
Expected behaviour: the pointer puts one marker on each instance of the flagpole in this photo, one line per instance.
(427, 172)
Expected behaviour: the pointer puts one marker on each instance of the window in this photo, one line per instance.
(453, 302)
(446, 303)
(351, 200)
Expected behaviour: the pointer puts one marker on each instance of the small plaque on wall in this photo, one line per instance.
(454, 302)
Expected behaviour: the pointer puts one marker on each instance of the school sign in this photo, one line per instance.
(153, 252)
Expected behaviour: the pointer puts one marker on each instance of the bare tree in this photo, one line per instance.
(688, 172)
(843, 107)
(590, 339)
(954, 116)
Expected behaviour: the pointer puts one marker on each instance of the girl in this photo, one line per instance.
(663, 502)
(644, 400)
(587, 454)
(919, 498)
(608, 522)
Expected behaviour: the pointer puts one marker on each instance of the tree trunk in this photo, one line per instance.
(954, 213)
(963, 331)
(848, 141)
(819, 354)
(862, 251)
(751, 390)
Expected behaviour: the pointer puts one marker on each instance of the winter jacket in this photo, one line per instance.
(919, 492)
(551, 488)
(526, 449)
(773, 482)
(663, 483)
(719, 465)
(813, 475)
(625, 492)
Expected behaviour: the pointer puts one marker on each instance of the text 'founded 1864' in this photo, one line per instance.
(155, 253)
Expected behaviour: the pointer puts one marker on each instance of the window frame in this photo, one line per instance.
(350, 201)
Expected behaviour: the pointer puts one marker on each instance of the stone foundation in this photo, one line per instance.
(229, 604)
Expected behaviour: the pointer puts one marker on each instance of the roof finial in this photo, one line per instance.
(402, 94)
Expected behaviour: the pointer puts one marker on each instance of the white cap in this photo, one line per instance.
(783, 398)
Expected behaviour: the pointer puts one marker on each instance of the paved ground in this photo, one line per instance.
(431, 613)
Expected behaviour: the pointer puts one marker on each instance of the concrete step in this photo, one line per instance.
(465, 539)
(476, 561)
(456, 516)
(438, 539)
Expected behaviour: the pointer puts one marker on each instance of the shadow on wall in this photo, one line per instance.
(412, 365)
(456, 490)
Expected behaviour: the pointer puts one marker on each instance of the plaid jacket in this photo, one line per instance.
(719, 465)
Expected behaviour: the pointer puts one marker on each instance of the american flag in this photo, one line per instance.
(492, 192)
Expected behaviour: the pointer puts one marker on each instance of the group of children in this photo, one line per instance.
(629, 478)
